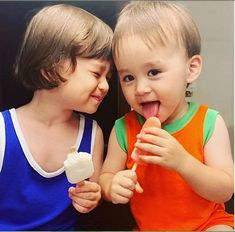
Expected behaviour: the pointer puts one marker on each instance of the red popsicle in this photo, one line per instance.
(150, 122)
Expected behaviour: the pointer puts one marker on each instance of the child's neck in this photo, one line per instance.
(47, 109)
(179, 112)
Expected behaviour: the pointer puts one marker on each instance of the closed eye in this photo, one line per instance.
(96, 74)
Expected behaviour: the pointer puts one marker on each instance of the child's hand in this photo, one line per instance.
(86, 197)
(122, 186)
(166, 150)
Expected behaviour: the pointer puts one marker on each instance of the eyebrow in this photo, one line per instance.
(145, 65)
(120, 71)
(98, 66)
(152, 63)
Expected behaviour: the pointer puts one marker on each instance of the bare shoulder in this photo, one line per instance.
(99, 132)
(116, 158)
(217, 151)
(98, 142)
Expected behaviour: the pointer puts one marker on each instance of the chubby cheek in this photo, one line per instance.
(105, 88)
(129, 96)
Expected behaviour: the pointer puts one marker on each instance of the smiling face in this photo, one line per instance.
(154, 80)
(86, 86)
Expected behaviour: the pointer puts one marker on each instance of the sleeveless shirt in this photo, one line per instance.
(168, 202)
(32, 199)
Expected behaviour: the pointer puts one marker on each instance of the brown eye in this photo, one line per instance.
(153, 72)
(128, 78)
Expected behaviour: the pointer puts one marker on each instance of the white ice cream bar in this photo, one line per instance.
(78, 166)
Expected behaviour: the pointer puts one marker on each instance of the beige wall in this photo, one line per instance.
(215, 86)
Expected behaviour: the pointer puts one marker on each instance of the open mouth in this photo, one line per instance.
(150, 109)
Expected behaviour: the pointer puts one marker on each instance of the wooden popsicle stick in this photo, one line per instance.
(134, 166)
(81, 183)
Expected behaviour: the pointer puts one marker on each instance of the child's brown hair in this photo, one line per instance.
(157, 22)
(56, 33)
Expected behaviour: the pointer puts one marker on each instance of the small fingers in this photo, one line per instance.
(84, 202)
(83, 205)
(122, 191)
(130, 174)
(122, 187)
(151, 148)
(155, 131)
(120, 194)
(151, 159)
(81, 208)
(138, 188)
(151, 139)
(120, 199)
(88, 186)
(128, 184)
(87, 195)
(126, 179)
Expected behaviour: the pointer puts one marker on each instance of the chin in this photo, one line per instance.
(91, 111)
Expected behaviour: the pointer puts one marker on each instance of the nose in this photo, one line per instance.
(142, 87)
(103, 84)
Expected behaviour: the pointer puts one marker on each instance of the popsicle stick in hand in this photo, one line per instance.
(150, 122)
(134, 166)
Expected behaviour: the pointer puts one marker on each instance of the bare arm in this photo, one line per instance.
(116, 183)
(97, 156)
(114, 162)
(214, 180)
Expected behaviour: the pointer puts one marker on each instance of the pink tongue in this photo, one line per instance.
(150, 109)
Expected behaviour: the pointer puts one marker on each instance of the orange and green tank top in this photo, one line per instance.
(168, 203)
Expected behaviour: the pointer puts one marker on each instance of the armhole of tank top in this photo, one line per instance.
(209, 125)
(93, 134)
(2, 140)
(120, 132)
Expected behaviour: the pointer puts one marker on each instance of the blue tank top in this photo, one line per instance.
(30, 200)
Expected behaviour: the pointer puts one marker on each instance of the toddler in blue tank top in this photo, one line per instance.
(65, 60)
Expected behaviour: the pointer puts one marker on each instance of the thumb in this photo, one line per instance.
(138, 188)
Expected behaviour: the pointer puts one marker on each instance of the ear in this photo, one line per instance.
(45, 74)
(194, 68)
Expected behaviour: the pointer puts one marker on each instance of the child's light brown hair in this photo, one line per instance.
(157, 23)
(56, 33)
